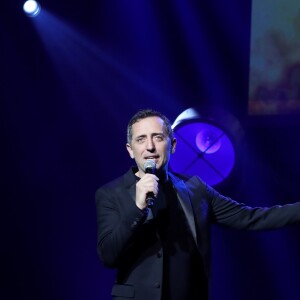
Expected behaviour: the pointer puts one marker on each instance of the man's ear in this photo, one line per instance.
(173, 145)
(128, 147)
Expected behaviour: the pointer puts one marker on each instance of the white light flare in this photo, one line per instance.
(31, 8)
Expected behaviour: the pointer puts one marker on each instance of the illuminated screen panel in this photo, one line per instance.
(275, 58)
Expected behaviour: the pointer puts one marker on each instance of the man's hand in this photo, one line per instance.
(147, 184)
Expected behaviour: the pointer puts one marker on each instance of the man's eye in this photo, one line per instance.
(140, 140)
(159, 137)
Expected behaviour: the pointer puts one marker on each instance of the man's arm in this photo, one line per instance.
(240, 216)
(117, 222)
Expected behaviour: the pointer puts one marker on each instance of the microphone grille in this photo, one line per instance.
(149, 164)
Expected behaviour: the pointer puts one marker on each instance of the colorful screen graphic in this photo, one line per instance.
(275, 58)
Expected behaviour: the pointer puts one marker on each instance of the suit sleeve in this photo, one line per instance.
(228, 212)
(116, 225)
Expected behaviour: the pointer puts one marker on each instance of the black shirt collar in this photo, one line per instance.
(163, 176)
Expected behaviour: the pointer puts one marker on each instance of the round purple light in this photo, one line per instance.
(208, 139)
(203, 149)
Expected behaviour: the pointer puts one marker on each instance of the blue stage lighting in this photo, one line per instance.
(31, 8)
(206, 144)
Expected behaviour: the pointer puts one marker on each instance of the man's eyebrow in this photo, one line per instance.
(152, 134)
(159, 133)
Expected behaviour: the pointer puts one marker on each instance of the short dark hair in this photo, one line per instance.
(146, 113)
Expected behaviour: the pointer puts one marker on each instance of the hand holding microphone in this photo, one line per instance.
(147, 186)
(149, 168)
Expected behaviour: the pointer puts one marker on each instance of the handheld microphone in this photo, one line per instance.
(149, 168)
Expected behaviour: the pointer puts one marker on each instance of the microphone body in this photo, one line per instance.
(150, 167)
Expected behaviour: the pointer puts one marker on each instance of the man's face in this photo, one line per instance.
(150, 141)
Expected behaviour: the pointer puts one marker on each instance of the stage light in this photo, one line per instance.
(207, 144)
(31, 8)
(208, 140)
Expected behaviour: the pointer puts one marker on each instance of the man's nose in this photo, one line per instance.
(150, 145)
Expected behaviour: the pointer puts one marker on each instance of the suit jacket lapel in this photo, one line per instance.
(184, 200)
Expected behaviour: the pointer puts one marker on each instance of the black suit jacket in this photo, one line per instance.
(126, 242)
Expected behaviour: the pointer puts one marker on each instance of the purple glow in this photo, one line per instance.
(204, 150)
(208, 139)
